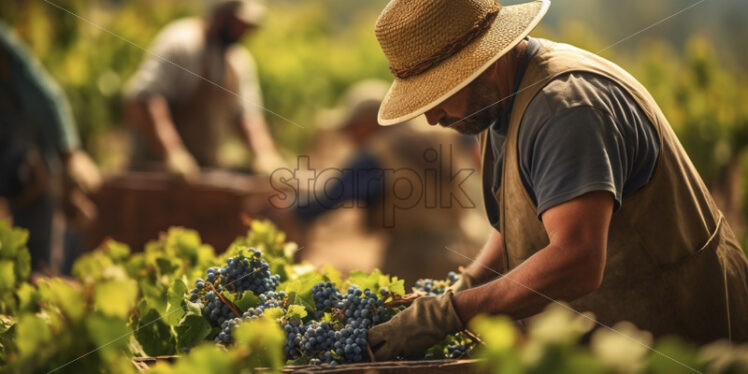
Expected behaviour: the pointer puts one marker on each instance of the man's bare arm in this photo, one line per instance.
(152, 117)
(254, 131)
(571, 266)
(489, 261)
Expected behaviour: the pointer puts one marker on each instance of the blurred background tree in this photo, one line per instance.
(309, 51)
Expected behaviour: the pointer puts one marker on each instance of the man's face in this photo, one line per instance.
(232, 29)
(471, 110)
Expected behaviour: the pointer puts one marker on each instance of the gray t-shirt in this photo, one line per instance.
(581, 133)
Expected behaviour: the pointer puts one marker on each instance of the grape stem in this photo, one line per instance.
(371, 353)
(472, 336)
(233, 309)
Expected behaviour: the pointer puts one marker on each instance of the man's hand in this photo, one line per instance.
(181, 163)
(409, 333)
(465, 282)
(82, 171)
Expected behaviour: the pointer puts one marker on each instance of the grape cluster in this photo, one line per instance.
(326, 297)
(294, 333)
(433, 287)
(368, 310)
(215, 310)
(456, 350)
(247, 273)
(272, 299)
(351, 341)
(317, 338)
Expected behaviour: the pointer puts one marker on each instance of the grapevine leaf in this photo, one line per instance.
(394, 285)
(28, 296)
(23, 264)
(6, 322)
(154, 335)
(248, 300)
(264, 339)
(115, 298)
(31, 333)
(332, 275)
(175, 297)
(296, 311)
(192, 330)
(107, 333)
(274, 313)
(363, 280)
(205, 359)
(56, 292)
(153, 296)
(7, 275)
(11, 240)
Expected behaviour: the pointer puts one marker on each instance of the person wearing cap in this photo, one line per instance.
(43, 169)
(593, 199)
(369, 181)
(195, 81)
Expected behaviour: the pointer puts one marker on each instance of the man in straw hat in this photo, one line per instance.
(593, 199)
(198, 81)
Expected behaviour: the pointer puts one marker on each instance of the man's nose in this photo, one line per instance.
(435, 115)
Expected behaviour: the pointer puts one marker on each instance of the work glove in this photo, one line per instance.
(82, 172)
(465, 282)
(181, 163)
(409, 333)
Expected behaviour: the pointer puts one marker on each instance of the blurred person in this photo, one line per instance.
(197, 80)
(371, 180)
(593, 199)
(43, 170)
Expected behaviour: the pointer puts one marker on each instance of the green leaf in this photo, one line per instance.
(274, 313)
(192, 330)
(394, 285)
(299, 291)
(297, 311)
(364, 280)
(28, 296)
(206, 359)
(6, 322)
(56, 292)
(332, 275)
(115, 298)
(31, 333)
(174, 308)
(263, 339)
(11, 240)
(23, 265)
(110, 334)
(155, 335)
(7, 275)
(248, 300)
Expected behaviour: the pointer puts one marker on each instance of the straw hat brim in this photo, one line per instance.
(411, 97)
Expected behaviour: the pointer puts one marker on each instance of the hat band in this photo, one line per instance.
(448, 50)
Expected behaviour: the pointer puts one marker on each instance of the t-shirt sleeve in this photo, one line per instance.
(162, 69)
(576, 151)
(249, 100)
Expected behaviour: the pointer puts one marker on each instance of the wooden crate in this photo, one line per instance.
(386, 367)
(134, 207)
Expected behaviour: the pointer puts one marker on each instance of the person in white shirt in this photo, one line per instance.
(195, 81)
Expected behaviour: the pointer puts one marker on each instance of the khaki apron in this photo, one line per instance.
(202, 116)
(673, 264)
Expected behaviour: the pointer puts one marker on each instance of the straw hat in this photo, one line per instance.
(437, 47)
(251, 12)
